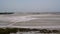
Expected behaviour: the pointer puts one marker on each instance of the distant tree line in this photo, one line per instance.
(43, 12)
(6, 12)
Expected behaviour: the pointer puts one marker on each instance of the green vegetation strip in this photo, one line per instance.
(14, 30)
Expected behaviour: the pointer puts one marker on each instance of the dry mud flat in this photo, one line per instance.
(31, 21)
(42, 21)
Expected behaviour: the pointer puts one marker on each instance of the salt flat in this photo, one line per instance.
(31, 21)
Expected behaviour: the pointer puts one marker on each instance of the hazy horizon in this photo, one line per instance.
(30, 5)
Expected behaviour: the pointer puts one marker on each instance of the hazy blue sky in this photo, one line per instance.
(30, 5)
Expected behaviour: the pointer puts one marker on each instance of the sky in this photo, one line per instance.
(30, 5)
